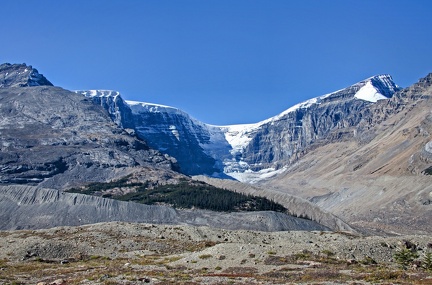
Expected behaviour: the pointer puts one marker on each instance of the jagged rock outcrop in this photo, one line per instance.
(29, 207)
(21, 75)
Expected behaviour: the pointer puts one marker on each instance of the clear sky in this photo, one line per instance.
(222, 61)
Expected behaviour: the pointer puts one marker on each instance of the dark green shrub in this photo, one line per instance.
(404, 257)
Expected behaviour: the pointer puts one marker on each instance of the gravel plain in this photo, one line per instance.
(128, 253)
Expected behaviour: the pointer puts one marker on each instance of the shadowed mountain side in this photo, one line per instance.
(296, 206)
(29, 207)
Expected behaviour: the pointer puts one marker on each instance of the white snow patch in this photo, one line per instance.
(98, 93)
(428, 147)
(369, 93)
(238, 136)
(252, 177)
(175, 132)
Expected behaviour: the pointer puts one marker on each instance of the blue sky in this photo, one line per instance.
(222, 61)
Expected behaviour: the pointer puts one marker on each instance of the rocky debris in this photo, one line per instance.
(229, 246)
(29, 207)
(21, 75)
(125, 253)
(55, 282)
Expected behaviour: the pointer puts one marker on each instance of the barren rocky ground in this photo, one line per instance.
(128, 253)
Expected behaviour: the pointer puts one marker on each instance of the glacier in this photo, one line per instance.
(244, 152)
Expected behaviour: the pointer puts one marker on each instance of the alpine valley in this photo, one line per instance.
(95, 189)
(362, 153)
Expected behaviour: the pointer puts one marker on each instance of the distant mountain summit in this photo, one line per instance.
(248, 152)
(21, 75)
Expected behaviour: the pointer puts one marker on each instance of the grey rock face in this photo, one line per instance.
(21, 75)
(176, 134)
(27, 207)
(54, 137)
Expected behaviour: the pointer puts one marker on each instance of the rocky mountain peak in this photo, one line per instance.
(21, 75)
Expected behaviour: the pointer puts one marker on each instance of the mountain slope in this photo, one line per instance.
(378, 179)
(58, 139)
(352, 152)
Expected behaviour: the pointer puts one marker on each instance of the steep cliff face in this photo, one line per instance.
(164, 128)
(252, 151)
(174, 132)
(118, 110)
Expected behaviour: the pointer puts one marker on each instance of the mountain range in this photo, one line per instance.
(362, 153)
(246, 152)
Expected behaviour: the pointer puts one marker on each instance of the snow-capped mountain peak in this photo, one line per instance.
(377, 88)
